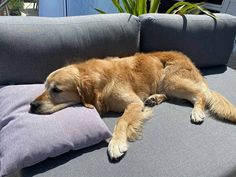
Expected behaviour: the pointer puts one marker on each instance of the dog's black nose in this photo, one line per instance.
(34, 106)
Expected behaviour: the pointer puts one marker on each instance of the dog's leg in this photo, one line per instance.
(199, 102)
(118, 144)
(189, 90)
(128, 127)
(155, 100)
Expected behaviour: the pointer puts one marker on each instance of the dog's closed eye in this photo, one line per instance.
(56, 90)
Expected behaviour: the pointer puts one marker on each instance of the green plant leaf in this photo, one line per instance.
(117, 4)
(133, 3)
(176, 5)
(191, 8)
(3, 4)
(142, 7)
(136, 7)
(154, 6)
(133, 7)
(187, 9)
(127, 6)
(178, 10)
(100, 11)
(206, 12)
(200, 3)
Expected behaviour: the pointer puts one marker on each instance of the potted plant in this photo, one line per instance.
(13, 6)
(3, 7)
(139, 7)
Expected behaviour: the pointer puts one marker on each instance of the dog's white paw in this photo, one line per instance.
(117, 148)
(197, 116)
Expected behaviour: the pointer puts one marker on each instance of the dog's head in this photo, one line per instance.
(62, 89)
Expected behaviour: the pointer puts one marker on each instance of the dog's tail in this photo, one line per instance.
(220, 106)
(135, 128)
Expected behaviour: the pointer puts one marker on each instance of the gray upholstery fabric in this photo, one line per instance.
(32, 47)
(171, 145)
(206, 41)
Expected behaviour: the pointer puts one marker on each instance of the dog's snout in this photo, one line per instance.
(34, 106)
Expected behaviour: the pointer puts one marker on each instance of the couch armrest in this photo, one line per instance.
(208, 42)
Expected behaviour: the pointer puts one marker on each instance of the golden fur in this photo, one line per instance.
(129, 85)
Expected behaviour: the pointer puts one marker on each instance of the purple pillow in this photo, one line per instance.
(26, 139)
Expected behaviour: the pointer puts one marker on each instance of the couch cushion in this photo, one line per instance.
(171, 145)
(26, 139)
(32, 47)
(207, 41)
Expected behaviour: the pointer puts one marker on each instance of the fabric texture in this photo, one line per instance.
(208, 42)
(171, 145)
(28, 44)
(26, 139)
(30, 48)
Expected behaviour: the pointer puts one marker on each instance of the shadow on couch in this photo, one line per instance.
(51, 163)
(213, 70)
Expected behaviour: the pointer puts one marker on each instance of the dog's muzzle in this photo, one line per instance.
(34, 106)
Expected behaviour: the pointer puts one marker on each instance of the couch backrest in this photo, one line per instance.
(206, 41)
(32, 47)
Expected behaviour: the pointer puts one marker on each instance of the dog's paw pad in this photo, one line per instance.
(197, 117)
(150, 102)
(117, 148)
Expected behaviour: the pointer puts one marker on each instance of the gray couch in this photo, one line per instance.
(30, 48)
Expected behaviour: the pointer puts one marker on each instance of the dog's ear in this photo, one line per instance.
(85, 91)
(83, 100)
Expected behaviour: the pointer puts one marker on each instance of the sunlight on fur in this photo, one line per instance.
(130, 85)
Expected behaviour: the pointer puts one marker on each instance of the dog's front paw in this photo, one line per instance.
(117, 148)
(155, 100)
(197, 116)
(150, 102)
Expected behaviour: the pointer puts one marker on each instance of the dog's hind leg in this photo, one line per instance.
(128, 126)
(192, 91)
(199, 102)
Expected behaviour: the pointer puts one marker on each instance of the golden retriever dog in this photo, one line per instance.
(130, 85)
